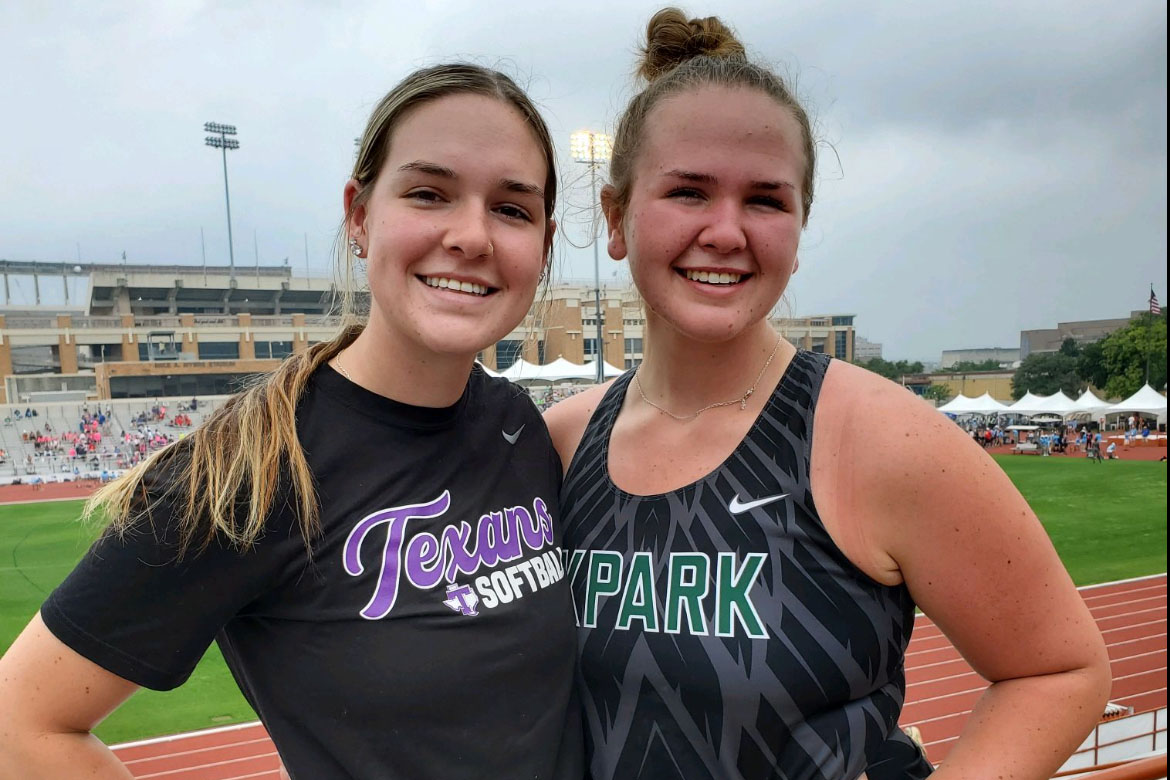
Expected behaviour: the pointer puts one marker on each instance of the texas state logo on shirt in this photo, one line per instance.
(509, 554)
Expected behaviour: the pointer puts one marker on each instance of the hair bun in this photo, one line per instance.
(672, 39)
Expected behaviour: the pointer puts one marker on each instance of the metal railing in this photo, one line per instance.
(27, 323)
(49, 321)
(278, 321)
(96, 322)
(1151, 768)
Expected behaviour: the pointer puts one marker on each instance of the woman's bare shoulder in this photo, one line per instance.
(566, 420)
(873, 400)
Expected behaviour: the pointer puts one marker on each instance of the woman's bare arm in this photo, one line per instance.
(53, 697)
(930, 508)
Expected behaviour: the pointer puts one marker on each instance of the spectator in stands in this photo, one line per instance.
(386, 433)
(854, 498)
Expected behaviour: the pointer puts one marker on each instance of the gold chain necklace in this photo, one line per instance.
(340, 368)
(742, 401)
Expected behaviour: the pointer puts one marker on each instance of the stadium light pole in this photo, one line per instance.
(594, 149)
(223, 143)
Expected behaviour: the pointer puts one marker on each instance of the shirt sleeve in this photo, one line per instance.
(141, 610)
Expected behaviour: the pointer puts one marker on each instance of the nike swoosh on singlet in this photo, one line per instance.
(737, 508)
(512, 437)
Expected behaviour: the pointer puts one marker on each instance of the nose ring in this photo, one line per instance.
(491, 248)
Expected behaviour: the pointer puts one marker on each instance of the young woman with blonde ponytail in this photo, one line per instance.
(370, 533)
(746, 548)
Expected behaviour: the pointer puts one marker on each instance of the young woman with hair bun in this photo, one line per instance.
(746, 549)
(370, 533)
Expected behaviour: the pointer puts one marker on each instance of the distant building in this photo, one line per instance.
(1005, 356)
(974, 384)
(864, 349)
(1082, 332)
(831, 334)
(915, 383)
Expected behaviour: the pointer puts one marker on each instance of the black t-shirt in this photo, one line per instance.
(431, 633)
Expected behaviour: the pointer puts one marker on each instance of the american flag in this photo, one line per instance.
(1154, 307)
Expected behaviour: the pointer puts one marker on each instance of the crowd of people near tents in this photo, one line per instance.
(1063, 437)
(546, 397)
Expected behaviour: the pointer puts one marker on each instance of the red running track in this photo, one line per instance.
(941, 690)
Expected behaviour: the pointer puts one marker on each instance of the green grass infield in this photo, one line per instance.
(39, 545)
(1107, 521)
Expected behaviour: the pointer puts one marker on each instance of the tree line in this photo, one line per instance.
(1118, 365)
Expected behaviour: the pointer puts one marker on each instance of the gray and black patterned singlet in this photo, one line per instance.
(722, 632)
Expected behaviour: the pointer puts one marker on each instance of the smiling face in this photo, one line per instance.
(454, 231)
(714, 215)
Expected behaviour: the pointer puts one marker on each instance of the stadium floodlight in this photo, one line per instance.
(222, 142)
(594, 149)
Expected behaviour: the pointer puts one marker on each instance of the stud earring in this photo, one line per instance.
(543, 274)
(355, 248)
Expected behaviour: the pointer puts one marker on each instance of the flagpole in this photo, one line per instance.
(1155, 310)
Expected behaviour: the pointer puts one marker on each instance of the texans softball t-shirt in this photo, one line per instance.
(430, 634)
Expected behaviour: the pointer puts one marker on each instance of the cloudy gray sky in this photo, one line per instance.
(985, 167)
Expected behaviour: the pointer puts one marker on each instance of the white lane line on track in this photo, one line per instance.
(211, 764)
(261, 740)
(1122, 582)
(44, 500)
(187, 735)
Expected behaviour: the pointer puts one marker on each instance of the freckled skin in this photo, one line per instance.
(1021, 625)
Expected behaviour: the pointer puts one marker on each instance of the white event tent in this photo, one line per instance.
(1147, 400)
(961, 404)
(1089, 404)
(560, 370)
(610, 370)
(988, 405)
(1029, 405)
(521, 371)
(1057, 404)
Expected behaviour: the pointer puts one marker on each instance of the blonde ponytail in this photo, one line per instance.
(230, 468)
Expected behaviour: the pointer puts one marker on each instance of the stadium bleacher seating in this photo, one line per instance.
(24, 460)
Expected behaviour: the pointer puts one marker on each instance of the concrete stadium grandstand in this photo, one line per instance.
(140, 331)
